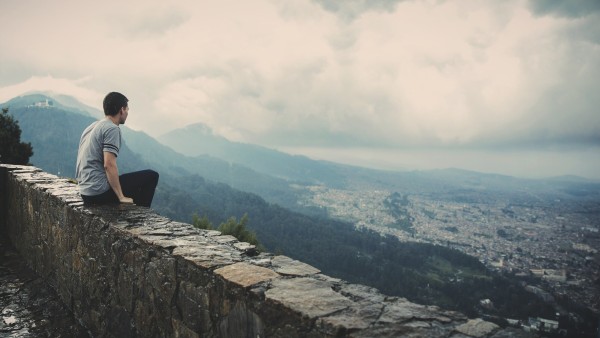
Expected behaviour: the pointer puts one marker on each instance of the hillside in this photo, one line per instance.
(198, 139)
(164, 159)
(449, 184)
(47, 100)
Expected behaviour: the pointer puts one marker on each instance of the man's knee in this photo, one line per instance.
(152, 176)
(155, 175)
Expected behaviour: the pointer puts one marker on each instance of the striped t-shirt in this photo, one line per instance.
(99, 137)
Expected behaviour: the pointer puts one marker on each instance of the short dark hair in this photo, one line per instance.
(113, 102)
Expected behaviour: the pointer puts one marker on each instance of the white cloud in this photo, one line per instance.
(321, 73)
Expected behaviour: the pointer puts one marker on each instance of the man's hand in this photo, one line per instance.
(126, 200)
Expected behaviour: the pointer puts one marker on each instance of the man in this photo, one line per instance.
(97, 171)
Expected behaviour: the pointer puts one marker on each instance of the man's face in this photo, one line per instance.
(123, 114)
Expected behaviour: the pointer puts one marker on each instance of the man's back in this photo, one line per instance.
(99, 137)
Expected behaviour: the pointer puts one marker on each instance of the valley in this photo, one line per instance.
(550, 241)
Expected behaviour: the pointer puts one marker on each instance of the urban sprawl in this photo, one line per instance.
(555, 243)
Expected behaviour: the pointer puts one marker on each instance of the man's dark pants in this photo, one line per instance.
(139, 185)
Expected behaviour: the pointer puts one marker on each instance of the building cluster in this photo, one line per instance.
(43, 104)
(555, 243)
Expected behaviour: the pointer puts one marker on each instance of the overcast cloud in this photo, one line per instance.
(367, 82)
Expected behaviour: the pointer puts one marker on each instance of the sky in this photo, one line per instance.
(507, 87)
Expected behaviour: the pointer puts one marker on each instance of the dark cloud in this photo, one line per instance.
(350, 9)
(568, 8)
(564, 118)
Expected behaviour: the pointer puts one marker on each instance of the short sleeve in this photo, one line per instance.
(112, 140)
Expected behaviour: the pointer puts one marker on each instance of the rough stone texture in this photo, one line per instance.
(477, 328)
(245, 274)
(287, 266)
(312, 298)
(126, 271)
(28, 308)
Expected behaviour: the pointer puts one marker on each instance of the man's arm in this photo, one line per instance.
(112, 173)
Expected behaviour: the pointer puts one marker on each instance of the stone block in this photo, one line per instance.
(192, 302)
(477, 328)
(241, 322)
(309, 297)
(287, 266)
(246, 275)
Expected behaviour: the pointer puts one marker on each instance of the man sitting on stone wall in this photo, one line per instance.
(97, 171)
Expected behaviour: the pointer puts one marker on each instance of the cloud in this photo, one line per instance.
(150, 23)
(459, 81)
(416, 75)
(572, 8)
(322, 73)
(350, 9)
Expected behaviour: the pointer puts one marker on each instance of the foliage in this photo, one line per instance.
(230, 227)
(201, 222)
(12, 150)
(397, 205)
(239, 230)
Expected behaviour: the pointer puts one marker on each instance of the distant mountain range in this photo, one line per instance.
(198, 139)
(268, 173)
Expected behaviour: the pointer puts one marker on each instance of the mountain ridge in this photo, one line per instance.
(273, 174)
(198, 140)
(64, 102)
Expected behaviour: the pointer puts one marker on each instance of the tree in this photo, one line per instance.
(202, 223)
(12, 150)
(231, 227)
(238, 230)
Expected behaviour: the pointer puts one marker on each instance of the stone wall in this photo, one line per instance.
(126, 271)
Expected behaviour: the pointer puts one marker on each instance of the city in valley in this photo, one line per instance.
(556, 241)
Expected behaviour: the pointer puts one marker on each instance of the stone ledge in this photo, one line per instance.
(246, 275)
(127, 271)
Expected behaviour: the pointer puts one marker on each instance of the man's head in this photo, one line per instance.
(114, 104)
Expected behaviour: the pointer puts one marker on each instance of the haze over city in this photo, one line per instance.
(506, 87)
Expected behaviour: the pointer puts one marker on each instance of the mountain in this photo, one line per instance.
(75, 105)
(54, 131)
(275, 176)
(449, 184)
(163, 158)
(56, 125)
(48, 100)
(199, 139)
